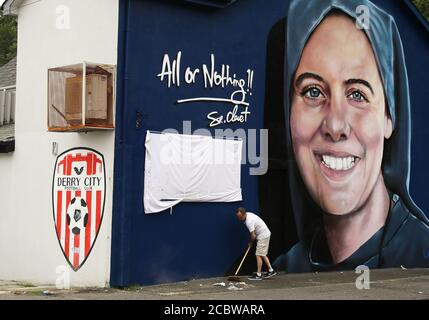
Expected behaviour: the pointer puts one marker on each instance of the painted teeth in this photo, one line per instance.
(338, 164)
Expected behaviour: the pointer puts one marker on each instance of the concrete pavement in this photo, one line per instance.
(384, 284)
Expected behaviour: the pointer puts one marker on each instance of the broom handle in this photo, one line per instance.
(242, 260)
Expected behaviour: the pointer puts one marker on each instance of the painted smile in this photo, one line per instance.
(336, 166)
(338, 163)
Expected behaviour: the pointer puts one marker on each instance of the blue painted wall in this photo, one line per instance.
(204, 239)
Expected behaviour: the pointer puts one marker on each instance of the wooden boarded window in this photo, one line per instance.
(81, 97)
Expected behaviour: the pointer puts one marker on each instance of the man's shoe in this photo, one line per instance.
(270, 274)
(255, 277)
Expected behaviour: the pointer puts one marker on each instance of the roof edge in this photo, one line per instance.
(418, 14)
(10, 7)
(213, 3)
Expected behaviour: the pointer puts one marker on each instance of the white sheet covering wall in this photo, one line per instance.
(190, 168)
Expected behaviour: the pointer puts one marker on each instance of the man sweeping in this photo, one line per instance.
(259, 232)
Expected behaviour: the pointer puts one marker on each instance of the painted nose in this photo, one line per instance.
(335, 127)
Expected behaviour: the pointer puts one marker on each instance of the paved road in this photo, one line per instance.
(384, 284)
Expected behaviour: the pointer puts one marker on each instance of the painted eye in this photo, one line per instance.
(357, 96)
(313, 96)
(313, 93)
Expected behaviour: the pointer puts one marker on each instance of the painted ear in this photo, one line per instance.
(68, 219)
(73, 200)
(388, 126)
(83, 203)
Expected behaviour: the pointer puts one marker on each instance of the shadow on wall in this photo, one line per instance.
(274, 195)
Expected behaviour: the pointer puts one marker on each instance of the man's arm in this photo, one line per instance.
(252, 237)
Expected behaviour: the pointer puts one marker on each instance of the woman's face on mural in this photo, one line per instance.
(338, 116)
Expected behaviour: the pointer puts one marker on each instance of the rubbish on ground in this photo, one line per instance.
(219, 284)
(48, 293)
(234, 288)
(403, 268)
(237, 285)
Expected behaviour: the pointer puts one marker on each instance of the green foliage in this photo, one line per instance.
(8, 31)
(423, 6)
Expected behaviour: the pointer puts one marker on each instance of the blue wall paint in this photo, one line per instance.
(415, 37)
(201, 240)
(197, 240)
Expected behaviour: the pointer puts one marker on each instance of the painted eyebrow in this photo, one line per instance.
(359, 81)
(308, 75)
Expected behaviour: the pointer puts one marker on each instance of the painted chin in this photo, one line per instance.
(338, 205)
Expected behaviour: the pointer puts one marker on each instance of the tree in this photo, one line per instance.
(423, 6)
(8, 31)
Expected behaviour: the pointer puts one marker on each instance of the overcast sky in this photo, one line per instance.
(1, 2)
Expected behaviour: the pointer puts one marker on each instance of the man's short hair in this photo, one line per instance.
(241, 210)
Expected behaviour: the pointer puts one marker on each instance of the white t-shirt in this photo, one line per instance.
(254, 223)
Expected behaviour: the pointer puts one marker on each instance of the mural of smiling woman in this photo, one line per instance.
(348, 132)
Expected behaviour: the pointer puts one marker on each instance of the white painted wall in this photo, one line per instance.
(29, 249)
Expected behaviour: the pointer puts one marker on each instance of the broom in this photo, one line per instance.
(236, 278)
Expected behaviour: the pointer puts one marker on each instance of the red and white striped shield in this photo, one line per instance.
(78, 196)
